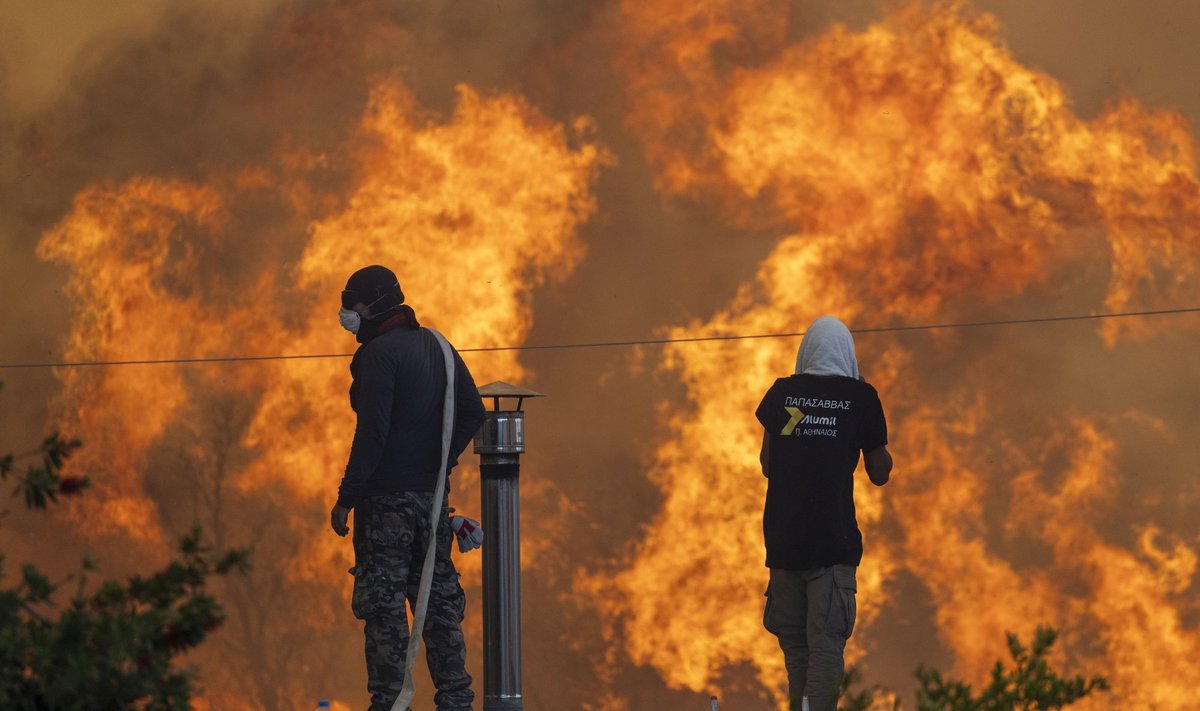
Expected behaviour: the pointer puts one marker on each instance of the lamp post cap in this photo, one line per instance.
(502, 389)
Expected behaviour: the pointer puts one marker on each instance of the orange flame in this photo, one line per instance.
(914, 171)
(472, 213)
(923, 172)
(134, 273)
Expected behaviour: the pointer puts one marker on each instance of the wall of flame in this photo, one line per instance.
(909, 171)
(926, 176)
(474, 211)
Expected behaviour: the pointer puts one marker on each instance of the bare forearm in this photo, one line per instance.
(879, 465)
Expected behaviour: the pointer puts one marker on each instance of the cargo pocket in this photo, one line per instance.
(362, 601)
(460, 598)
(376, 594)
(767, 618)
(845, 591)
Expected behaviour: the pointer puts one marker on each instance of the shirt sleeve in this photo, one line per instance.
(766, 412)
(375, 390)
(468, 410)
(874, 423)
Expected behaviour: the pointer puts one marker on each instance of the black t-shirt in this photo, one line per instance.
(816, 426)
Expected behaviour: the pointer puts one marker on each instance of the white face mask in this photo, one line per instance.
(350, 319)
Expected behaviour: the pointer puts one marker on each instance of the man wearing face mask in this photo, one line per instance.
(397, 393)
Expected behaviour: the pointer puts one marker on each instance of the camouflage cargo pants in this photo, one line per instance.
(390, 536)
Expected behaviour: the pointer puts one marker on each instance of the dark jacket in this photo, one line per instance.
(398, 394)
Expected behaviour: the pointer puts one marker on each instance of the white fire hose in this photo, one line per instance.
(435, 515)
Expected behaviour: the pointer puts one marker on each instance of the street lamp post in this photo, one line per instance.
(499, 444)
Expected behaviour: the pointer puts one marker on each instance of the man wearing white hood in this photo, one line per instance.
(815, 424)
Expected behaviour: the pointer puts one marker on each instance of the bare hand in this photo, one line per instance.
(337, 520)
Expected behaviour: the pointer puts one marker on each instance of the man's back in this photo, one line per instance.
(815, 427)
(398, 396)
(815, 424)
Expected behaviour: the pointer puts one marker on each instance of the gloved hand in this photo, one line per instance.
(468, 533)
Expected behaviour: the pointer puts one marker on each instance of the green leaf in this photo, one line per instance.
(237, 560)
(39, 486)
(56, 450)
(190, 544)
(39, 586)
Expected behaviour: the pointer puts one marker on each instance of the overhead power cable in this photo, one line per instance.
(614, 344)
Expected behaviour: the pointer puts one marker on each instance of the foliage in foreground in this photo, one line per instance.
(1028, 684)
(873, 699)
(113, 645)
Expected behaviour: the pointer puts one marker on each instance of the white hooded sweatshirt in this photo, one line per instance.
(827, 349)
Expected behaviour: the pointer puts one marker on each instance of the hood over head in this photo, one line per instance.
(827, 349)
